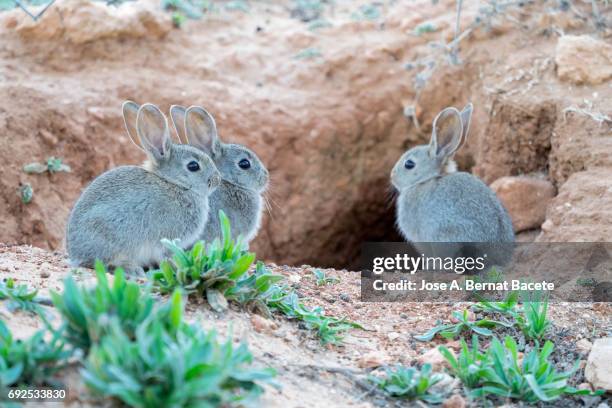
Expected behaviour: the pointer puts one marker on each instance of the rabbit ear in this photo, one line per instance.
(201, 130)
(447, 133)
(466, 117)
(153, 131)
(177, 114)
(130, 111)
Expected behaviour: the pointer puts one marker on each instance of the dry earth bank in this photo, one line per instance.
(323, 108)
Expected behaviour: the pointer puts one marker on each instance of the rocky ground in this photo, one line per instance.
(329, 108)
(316, 376)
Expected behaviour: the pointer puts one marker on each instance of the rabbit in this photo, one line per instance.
(436, 203)
(123, 214)
(244, 178)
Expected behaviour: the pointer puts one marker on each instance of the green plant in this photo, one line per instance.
(588, 282)
(170, 363)
(52, 165)
(237, 5)
(469, 365)
(88, 311)
(30, 362)
(26, 193)
(367, 12)
(507, 306)
(19, 296)
(533, 379)
(450, 331)
(426, 27)
(185, 8)
(532, 319)
(308, 53)
(409, 383)
(178, 19)
(329, 329)
(322, 280)
(219, 271)
(253, 290)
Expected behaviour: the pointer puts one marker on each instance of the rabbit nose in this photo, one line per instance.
(214, 181)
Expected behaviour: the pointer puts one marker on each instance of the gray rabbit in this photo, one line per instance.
(123, 214)
(436, 203)
(244, 178)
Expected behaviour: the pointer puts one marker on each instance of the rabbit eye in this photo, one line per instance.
(409, 164)
(193, 166)
(244, 164)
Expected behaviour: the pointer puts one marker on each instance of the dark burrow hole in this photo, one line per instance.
(372, 220)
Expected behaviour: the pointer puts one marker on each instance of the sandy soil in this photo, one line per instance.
(310, 374)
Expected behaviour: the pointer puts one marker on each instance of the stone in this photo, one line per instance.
(583, 346)
(373, 359)
(455, 401)
(582, 59)
(435, 358)
(263, 325)
(598, 370)
(526, 198)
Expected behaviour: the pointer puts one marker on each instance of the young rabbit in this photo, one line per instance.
(438, 204)
(123, 214)
(244, 178)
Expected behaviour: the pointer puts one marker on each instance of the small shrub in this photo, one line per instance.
(533, 320)
(450, 331)
(322, 280)
(253, 290)
(172, 364)
(329, 329)
(52, 165)
(30, 362)
(218, 271)
(308, 53)
(26, 193)
(88, 311)
(178, 19)
(469, 365)
(19, 296)
(533, 379)
(507, 306)
(410, 383)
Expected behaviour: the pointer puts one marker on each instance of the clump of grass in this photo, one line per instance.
(184, 8)
(468, 366)
(178, 19)
(321, 279)
(89, 311)
(19, 296)
(533, 320)
(51, 165)
(531, 379)
(426, 27)
(30, 362)
(308, 53)
(367, 12)
(219, 271)
(410, 383)
(507, 307)
(26, 193)
(237, 5)
(328, 328)
(170, 363)
(450, 331)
